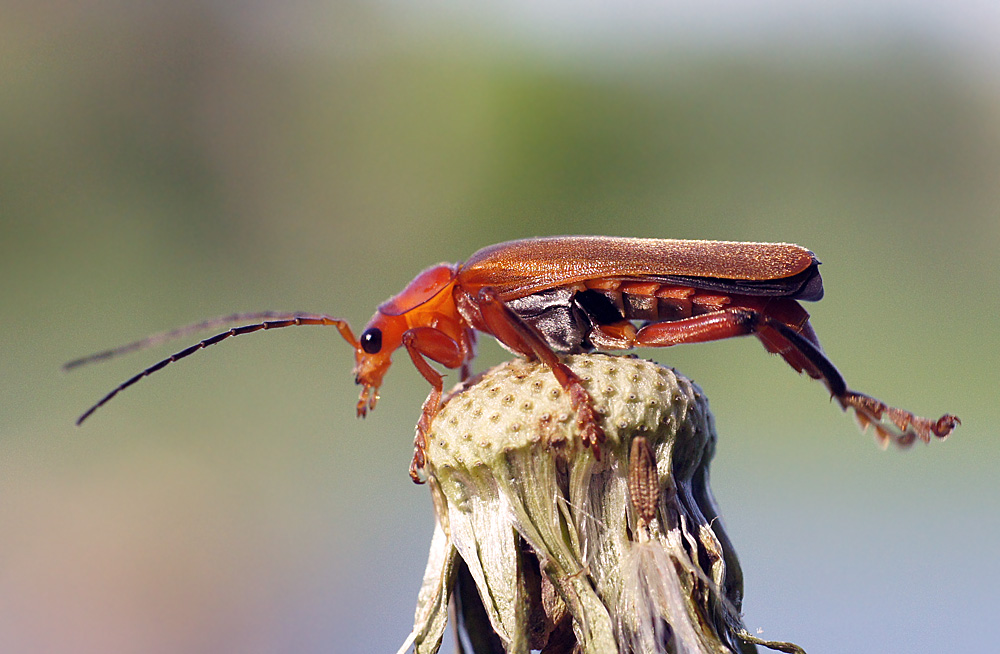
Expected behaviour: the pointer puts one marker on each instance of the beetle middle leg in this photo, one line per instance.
(508, 328)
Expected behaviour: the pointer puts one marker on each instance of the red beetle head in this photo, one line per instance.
(384, 333)
(373, 356)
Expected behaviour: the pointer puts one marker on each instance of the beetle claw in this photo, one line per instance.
(945, 425)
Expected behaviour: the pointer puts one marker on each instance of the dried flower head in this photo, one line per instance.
(539, 545)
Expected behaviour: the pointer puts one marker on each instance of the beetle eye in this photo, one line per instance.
(371, 340)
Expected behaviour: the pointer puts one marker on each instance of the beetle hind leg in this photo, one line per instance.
(889, 423)
(797, 344)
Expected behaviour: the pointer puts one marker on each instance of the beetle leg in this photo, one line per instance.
(616, 336)
(421, 343)
(798, 345)
(428, 411)
(468, 353)
(699, 329)
(508, 328)
(889, 422)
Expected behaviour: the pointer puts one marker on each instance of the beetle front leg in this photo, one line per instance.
(428, 412)
(422, 342)
(522, 338)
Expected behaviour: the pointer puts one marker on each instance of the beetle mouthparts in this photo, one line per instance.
(368, 399)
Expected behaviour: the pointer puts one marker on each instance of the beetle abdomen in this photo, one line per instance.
(647, 302)
(567, 317)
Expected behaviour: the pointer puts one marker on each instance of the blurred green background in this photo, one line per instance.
(165, 162)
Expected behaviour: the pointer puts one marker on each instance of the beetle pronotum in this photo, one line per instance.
(544, 297)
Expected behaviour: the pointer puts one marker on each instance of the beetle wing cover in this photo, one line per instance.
(519, 268)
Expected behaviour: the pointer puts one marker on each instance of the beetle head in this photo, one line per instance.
(417, 305)
(373, 356)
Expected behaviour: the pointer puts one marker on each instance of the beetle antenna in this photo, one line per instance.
(280, 320)
(180, 332)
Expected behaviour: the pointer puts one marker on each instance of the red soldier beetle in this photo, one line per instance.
(544, 297)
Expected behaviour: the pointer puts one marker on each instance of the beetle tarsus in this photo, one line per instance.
(419, 451)
(427, 414)
(892, 424)
(591, 434)
(419, 458)
(525, 340)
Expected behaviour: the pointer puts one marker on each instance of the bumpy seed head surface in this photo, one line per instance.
(519, 406)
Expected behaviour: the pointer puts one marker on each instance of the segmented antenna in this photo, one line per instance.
(266, 320)
(174, 334)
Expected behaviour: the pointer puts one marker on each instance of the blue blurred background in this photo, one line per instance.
(162, 162)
